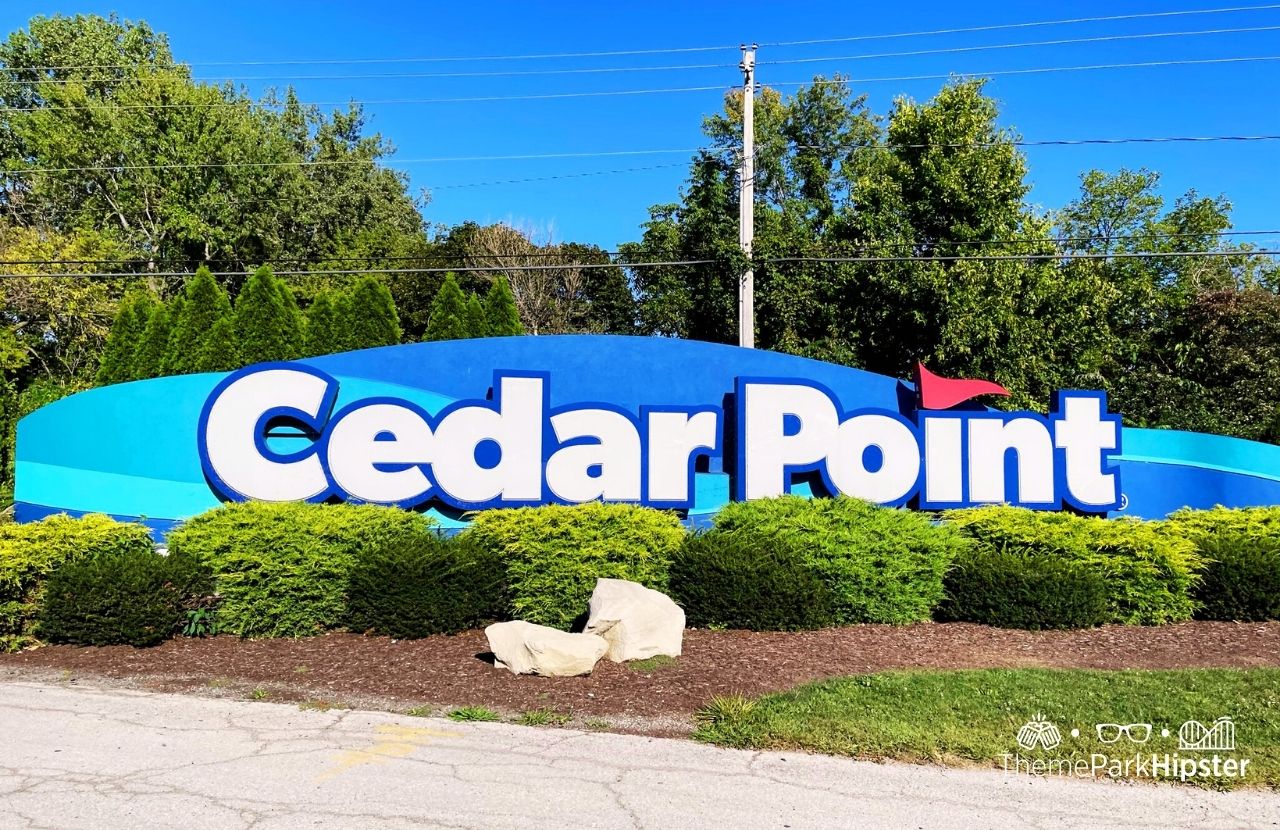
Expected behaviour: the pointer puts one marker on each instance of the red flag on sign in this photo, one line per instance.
(943, 393)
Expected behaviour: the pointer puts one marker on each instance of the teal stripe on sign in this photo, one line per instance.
(94, 491)
(1207, 452)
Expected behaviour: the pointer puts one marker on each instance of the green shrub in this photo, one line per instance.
(735, 580)
(1242, 578)
(134, 597)
(1256, 522)
(29, 553)
(879, 563)
(411, 589)
(1014, 590)
(1149, 573)
(282, 570)
(555, 553)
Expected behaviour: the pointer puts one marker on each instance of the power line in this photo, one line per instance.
(439, 255)
(384, 75)
(1059, 241)
(1050, 142)
(683, 262)
(653, 91)
(1026, 257)
(429, 59)
(1028, 25)
(388, 271)
(1032, 71)
(662, 68)
(1025, 44)
(659, 51)
(346, 162)
(391, 101)
(1065, 142)
(434, 188)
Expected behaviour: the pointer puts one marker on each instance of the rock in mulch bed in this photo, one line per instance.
(447, 671)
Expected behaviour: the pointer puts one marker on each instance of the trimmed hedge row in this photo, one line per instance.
(554, 554)
(29, 553)
(1149, 573)
(775, 564)
(1017, 590)
(880, 565)
(735, 580)
(413, 589)
(281, 570)
(131, 597)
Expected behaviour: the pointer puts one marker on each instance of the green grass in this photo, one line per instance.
(543, 717)
(473, 713)
(658, 661)
(973, 717)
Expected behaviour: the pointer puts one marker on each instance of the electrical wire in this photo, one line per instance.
(643, 264)
(1027, 25)
(371, 102)
(1026, 257)
(662, 68)
(653, 91)
(1066, 142)
(994, 46)
(345, 162)
(438, 255)
(1031, 71)
(665, 50)
(387, 271)
(217, 80)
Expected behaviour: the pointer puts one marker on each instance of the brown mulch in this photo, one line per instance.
(446, 671)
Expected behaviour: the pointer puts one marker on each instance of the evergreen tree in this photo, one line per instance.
(204, 303)
(500, 310)
(370, 319)
(477, 323)
(148, 362)
(323, 333)
(294, 326)
(125, 338)
(448, 312)
(173, 309)
(220, 349)
(267, 319)
(342, 339)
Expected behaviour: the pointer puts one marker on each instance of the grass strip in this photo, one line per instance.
(974, 717)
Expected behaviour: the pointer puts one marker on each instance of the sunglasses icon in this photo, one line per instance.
(1109, 733)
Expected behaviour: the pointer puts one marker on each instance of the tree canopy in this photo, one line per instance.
(120, 140)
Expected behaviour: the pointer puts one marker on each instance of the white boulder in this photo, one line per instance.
(525, 648)
(637, 622)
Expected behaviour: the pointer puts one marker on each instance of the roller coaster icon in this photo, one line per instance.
(1194, 735)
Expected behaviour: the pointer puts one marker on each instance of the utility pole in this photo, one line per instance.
(747, 199)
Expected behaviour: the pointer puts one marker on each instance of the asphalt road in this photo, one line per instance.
(77, 757)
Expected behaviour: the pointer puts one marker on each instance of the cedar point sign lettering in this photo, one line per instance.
(451, 426)
(516, 449)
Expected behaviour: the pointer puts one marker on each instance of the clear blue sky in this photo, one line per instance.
(1223, 99)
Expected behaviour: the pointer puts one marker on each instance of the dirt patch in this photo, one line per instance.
(441, 672)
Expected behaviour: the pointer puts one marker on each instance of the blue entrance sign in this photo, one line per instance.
(456, 426)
